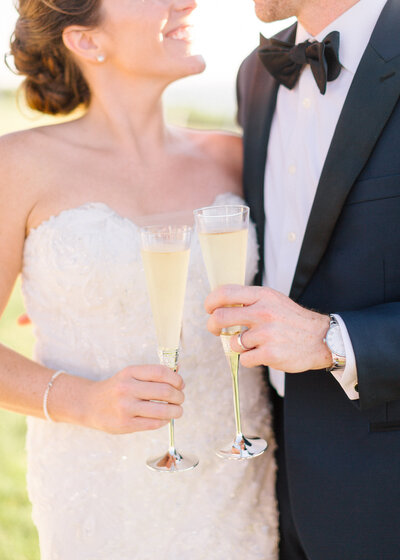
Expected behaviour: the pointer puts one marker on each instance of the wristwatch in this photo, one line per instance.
(334, 342)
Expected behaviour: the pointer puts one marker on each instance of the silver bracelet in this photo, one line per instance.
(47, 391)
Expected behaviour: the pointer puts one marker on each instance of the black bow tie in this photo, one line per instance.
(285, 61)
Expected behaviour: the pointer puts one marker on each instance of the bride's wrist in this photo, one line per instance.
(67, 399)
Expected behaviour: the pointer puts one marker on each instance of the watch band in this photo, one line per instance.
(338, 361)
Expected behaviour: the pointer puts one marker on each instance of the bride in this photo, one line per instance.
(71, 196)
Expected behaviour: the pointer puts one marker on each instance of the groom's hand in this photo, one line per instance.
(280, 334)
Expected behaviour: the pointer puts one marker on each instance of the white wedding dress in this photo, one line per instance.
(92, 494)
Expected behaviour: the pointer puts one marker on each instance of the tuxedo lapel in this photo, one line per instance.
(256, 134)
(264, 90)
(373, 94)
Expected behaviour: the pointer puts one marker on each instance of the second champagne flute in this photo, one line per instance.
(223, 233)
(165, 253)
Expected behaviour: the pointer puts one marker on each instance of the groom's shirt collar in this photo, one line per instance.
(355, 27)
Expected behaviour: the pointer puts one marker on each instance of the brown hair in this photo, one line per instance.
(54, 83)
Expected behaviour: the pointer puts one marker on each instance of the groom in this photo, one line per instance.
(321, 128)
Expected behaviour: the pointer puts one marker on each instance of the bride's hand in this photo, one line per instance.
(123, 403)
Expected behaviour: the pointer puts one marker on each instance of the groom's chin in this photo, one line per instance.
(270, 11)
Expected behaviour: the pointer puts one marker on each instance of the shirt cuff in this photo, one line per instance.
(347, 378)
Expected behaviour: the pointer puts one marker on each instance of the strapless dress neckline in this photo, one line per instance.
(103, 206)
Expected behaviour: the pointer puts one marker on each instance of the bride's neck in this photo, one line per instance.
(128, 115)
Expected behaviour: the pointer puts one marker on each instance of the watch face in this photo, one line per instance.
(334, 341)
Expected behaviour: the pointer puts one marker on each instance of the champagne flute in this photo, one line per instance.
(165, 253)
(223, 233)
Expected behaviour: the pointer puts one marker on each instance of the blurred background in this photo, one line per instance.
(227, 30)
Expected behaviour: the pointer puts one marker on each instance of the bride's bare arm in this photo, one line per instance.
(120, 404)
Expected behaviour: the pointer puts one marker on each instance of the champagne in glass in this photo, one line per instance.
(223, 233)
(165, 254)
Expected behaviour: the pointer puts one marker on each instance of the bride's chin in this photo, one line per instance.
(195, 64)
(201, 64)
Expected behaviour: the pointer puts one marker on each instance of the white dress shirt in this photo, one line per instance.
(301, 133)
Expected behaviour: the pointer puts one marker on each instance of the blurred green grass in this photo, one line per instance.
(15, 115)
(18, 537)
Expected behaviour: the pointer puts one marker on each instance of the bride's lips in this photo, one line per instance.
(181, 33)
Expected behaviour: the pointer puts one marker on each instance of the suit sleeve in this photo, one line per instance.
(375, 335)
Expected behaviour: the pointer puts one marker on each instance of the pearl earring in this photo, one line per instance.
(101, 58)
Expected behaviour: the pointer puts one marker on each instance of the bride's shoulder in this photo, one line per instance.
(16, 151)
(23, 145)
(24, 161)
(17, 195)
(29, 154)
(31, 141)
(221, 145)
(222, 148)
(14, 141)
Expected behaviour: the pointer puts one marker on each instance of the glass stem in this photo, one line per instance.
(233, 360)
(172, 449)
(169, 357)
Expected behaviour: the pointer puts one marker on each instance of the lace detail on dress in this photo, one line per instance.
(93, 497)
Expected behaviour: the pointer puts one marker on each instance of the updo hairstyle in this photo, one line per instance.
(54, 83)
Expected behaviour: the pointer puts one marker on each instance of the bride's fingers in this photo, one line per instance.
(159, 411)
(158, 391)
(139, 424)
(160, 374)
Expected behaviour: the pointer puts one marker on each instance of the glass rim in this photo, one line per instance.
(198, 211)
(159, 227)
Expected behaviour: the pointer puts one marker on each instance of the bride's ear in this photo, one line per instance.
(83, 43)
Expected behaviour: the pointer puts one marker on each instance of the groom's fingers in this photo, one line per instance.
(232, 294)
(252, 339)
(253, 358)
(228, 317)
(248, 342)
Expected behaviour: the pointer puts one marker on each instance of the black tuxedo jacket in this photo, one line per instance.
(343, 457)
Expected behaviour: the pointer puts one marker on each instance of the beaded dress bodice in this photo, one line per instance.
(93, 497)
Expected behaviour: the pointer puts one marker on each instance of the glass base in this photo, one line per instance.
(243, 448)
(172, 462)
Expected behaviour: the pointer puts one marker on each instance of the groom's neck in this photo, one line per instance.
(315, 15)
